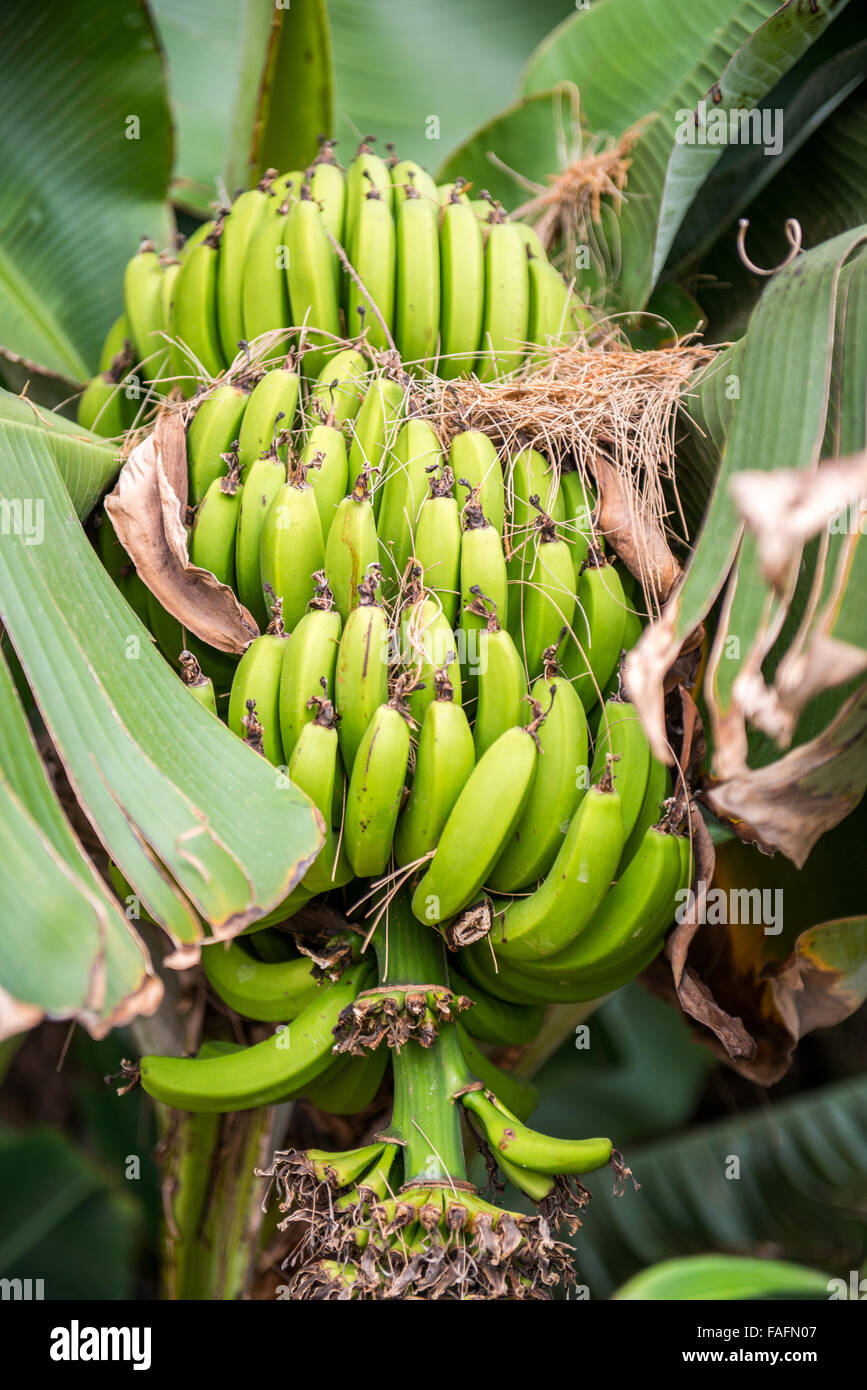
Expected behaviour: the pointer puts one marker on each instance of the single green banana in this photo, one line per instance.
(579, 502)
(212, 540)
(593, 649)
(310, 277)
(361, 680)
(444, 760)
(447, 192)
(376, 787)
(264, 290)
(507, 302)
(427, 644)
(493, 1020)
(483, 575)
(501, 684)
(472, 457)
(293, 551)
(438, 542)
(556, 314)
(528, 475)
(328, 187)
(366, 171)
(621, 734)
(201, 686)
(264, 480)
(507, 980)
(633, 913)
(541, 1153)
(271, 993)
(270, 410)
(481, 821)
(545, 601)
(341, 385)
(118, 343)
(314, 766)
(354, 1087)
(548, 920)
(309, 660)
(352, 547)
(143, 307)
(177, 369)
(212, 433)
(374, 431)
(194, 304)
(462, 295)
(558, 787)
(102, 407)
(257, 679)
(416, 450)
(239, 228)
(324, 456)
(406, 174)
(657, 790)
(373, 251)
(282, 1065)
(417, 296)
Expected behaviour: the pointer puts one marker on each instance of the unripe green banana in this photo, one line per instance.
(528, 475)
(257, 679)
(264, 291)
(541, 1153)
(264, 480)
(447, 192)
(102, 407)
(530, 238)
(507, 981)
(353, 1086)
(177, 370)
(483, 572)
(310, 277)
(309, 660)
(633, 913)
(374, 431)
(271, 993)
(215, 427)
(462, 280)
(143, 306)
(361, 681)
(118, 343)
(579, 502)
(473, 457)
(416, 450)
(328, 187)
(501, 685)
(481, 821)
(269, 1071)
(366, 170)
(201, 686)
(507, 302)
(493, 1020)
(373, 252)
(239, 227)
(622, 735)
(444, 760)
(314, 766)
(558, 786)
(548, 920)
(352, 547)
(324, 456)
(427, 644)
(341, 385)
(593, 650)
(556, 314)
(194, 304)
(545, 601)
(406, 174)
(293, 551)
(376, 787)
(212, 540)
(438, 543)
(657, 790)
(417, 300)
(270, 410)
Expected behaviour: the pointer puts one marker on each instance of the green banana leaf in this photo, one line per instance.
(527, 137)
(296, 100)
(425, 76)
(159, 778)
(68, 1225)
(792, 1179)
(87, 151)
(86, 462)
(723, 1277)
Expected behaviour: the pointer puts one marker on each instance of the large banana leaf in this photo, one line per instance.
(723, 1277)
(791, 1179)
(159, 778)
(87, 151)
